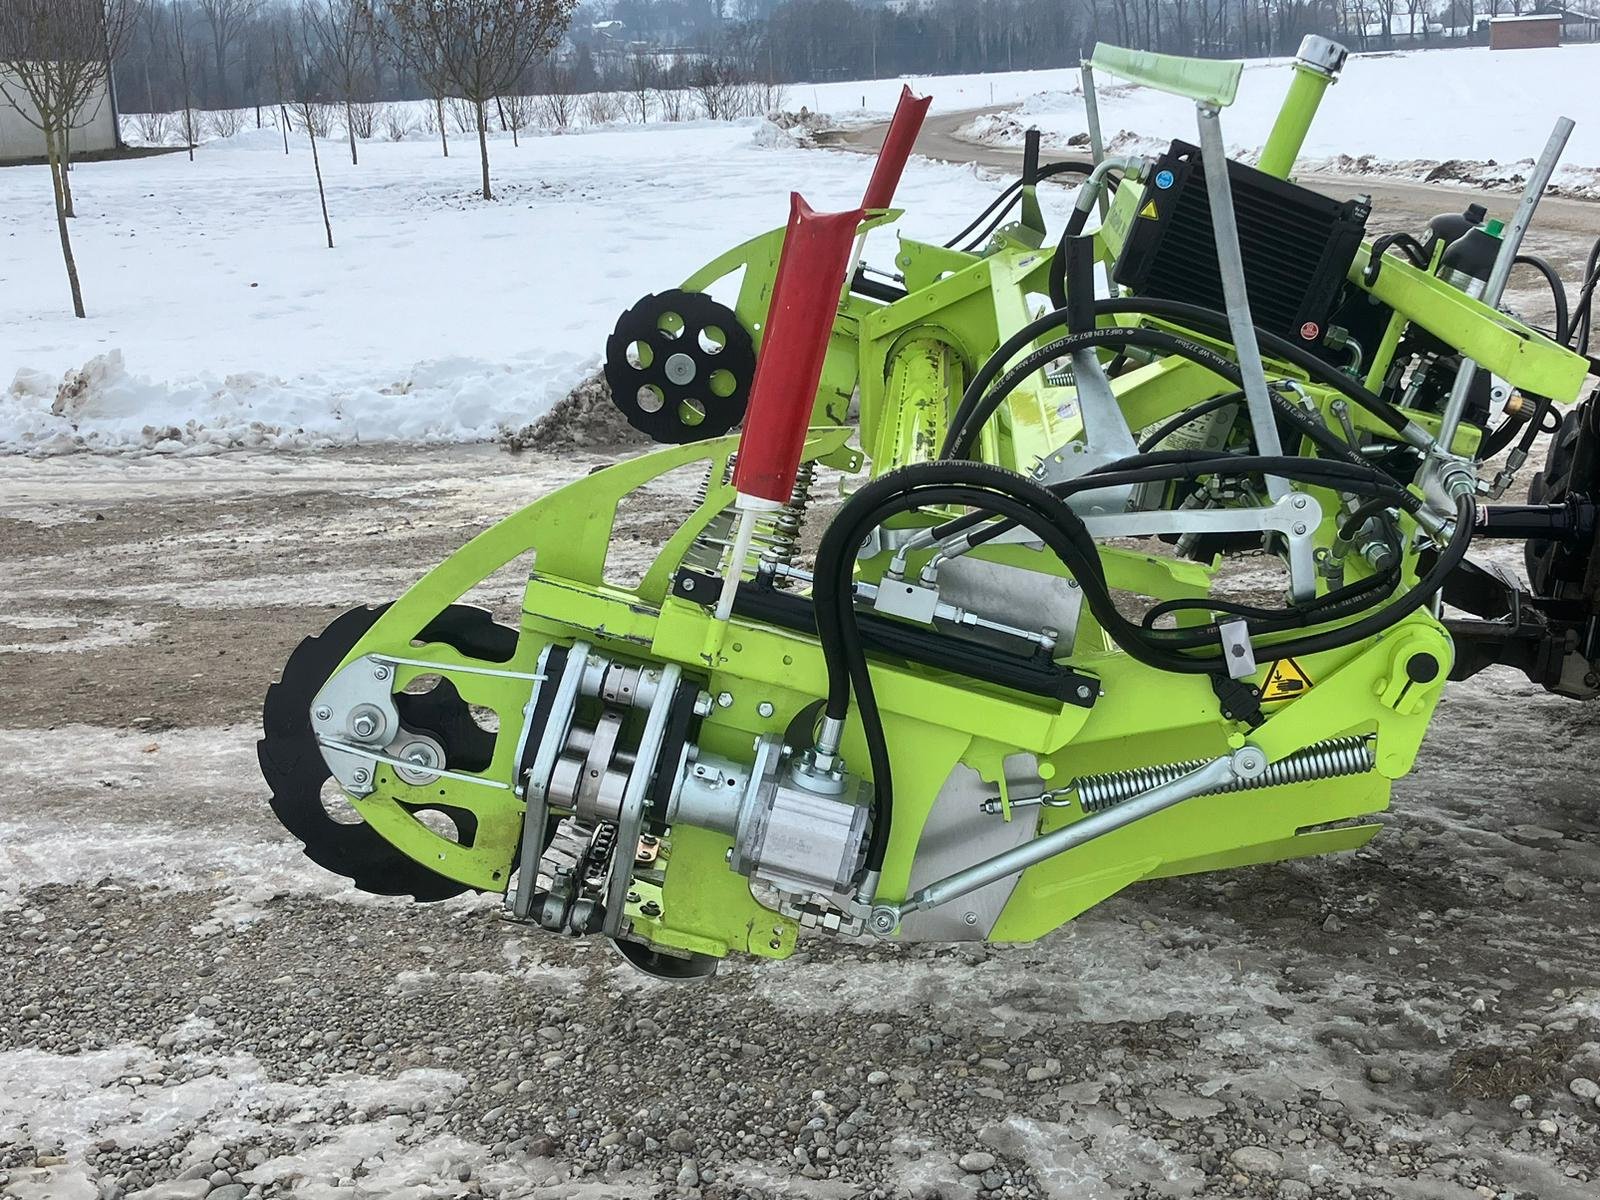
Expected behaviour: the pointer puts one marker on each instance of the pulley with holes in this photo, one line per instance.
(680, 365)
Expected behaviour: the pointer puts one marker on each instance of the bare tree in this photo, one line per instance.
(518, 110)
(55, 68)
(183, 53)
(413, 44)
(295, 65)
(484, 46)
(227, 19)
(344, 29)
(558, 99)
(643, 76)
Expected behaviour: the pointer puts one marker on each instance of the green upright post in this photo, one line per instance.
(1316, 65)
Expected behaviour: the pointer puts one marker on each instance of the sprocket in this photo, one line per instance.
(294, 768)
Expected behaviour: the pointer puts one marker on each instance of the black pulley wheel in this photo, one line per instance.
(293, 766)
(1571, 471)
(680, 366)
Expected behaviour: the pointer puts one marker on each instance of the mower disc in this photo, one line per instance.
(680, 366)
(293, 766)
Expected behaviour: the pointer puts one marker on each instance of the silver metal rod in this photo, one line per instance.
(1091, 112)
(390, 760)
(442, 668)
(1510, 245)
(1230, 262)
(1245, 763)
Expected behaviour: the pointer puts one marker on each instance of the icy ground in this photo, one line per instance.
(190, 1007)
(1468, 115)
(219, 318)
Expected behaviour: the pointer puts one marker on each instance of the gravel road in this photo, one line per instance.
(193, 1010)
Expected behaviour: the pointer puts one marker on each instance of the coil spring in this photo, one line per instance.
(777, 534)
(1321, 760)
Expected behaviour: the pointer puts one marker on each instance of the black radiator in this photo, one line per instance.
(1297, 245)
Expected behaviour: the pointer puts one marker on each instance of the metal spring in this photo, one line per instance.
(777, 535)
(1321, 760)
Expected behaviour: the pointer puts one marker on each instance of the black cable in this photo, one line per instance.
(1189, 415)
(1558, 292)
(1412, 248)
(969, 419)
(1014, 192)
(1583, 307)
(1209, 320)
(959, 441)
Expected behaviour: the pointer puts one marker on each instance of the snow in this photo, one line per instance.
(218, 317)
(1472, 104)
(219, 320)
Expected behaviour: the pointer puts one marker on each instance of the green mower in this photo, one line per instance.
(1153, 559)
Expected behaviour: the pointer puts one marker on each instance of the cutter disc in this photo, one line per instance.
(680, 366)
(293, 766)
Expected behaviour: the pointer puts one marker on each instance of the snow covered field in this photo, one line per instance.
(218, 317)
(1399, 114)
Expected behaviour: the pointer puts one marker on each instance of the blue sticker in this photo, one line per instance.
(1163, 179)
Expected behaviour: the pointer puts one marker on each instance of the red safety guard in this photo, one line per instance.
(805, 300)
(903, 130)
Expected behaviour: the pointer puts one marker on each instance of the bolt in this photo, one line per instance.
(1591, 680)
(702, 704)
(724, 699)
(765, 708)
(360, 775)
(364, 726)
(650, 908)
(970, 918)
(884, 920)
(686, 584)
(1300, 527)
(380, 672)
(1300, 501)
(633, 897)
(727, 856)
(323, 712)
(1084, 691)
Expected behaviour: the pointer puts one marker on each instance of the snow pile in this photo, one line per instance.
(219, 319)
(1468, 115)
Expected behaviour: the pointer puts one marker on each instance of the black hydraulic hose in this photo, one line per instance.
(1058, 261)
(1583, 307)
(1210, 320)
(1558, 293)
(1017, 499)
(1412, 249)
(1013, 191)
(969, 418)
(1206, 319)
(1188, 416)
(958, 443)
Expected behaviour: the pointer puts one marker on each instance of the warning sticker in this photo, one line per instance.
(1286, 680)
(1149, 211)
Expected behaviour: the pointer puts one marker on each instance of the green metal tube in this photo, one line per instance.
(1294, 120)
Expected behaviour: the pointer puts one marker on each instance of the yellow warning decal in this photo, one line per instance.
(1149, 210)
(1286, 680)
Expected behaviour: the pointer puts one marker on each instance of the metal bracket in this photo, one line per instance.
(1248, 762)
(1106, 439)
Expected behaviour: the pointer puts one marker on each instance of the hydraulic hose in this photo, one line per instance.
(1195, 316)
(1558, 293)
(994, 491)
(1010, 196)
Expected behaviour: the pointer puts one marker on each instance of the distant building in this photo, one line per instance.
(1525, 32)
(20, 139)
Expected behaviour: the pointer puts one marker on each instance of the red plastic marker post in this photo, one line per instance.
(897, 143)
(805, 299)
(891, 164)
